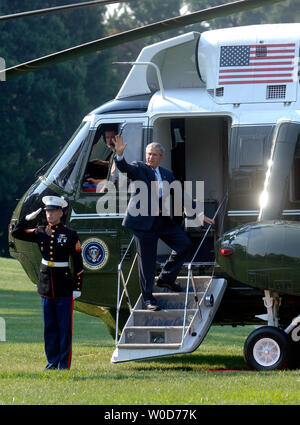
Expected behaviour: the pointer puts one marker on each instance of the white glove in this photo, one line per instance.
(76, 294)
(32, 215)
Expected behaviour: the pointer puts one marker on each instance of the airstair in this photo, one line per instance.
(181, 324)
(179, 327)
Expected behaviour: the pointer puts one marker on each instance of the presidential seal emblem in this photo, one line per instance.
(94, 254)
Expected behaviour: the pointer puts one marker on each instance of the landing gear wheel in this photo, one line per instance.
(267, 348)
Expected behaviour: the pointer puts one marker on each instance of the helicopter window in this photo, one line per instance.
(252, 151)
(64, 171)
(133, 135)
(251, 145)
(100, 166)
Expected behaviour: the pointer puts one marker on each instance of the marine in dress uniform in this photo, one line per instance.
(56, 286)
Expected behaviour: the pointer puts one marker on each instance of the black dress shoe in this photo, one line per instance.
(152, 306)
(50, 367)
(173, 286)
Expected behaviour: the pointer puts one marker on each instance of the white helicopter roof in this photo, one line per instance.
(248, 64)
(165, 54)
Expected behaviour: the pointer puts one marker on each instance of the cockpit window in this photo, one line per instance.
(101, 166)
(64, 171)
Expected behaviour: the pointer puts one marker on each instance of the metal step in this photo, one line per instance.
(149, 334)
(153, 334)
(176, 300)
(173, 317)
(196, 264)
(148, 346)
(201, 284)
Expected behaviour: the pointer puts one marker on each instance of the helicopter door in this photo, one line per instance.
(197, 151)
(100, 204)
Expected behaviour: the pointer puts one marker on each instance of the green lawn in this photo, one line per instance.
(214, 374)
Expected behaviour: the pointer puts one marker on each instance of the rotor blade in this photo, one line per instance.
(60, 8)
(134, 34)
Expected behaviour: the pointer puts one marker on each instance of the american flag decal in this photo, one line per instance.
(257, 63)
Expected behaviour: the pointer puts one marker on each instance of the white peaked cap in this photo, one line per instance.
(53, 202)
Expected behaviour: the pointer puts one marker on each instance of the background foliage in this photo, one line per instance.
(40, 111)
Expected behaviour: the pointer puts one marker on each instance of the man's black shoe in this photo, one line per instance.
(173, 286)
(152, 306)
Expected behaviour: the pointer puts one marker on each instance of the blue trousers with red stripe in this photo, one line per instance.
(58, 324)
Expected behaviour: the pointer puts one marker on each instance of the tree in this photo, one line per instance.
(40, 111)
(134, 15)
(277, 13)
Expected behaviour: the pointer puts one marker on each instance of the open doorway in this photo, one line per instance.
(197, 150)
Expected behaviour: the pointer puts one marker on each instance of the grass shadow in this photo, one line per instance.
(195, 361)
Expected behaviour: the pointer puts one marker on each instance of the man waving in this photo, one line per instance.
(148, 227)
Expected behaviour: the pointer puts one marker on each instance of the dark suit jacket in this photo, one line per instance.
(139, 171)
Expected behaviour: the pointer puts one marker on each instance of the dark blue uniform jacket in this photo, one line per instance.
(57, 243)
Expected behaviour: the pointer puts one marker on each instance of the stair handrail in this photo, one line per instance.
(190, 272)
(121, 277)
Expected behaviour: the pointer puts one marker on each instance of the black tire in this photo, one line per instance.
(267, 348)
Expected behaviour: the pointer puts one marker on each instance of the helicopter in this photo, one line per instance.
(227, 114)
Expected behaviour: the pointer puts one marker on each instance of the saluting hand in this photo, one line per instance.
(119, 145)
(32, 215)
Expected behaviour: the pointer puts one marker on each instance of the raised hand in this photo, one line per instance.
(32, 215)
(119, 145)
